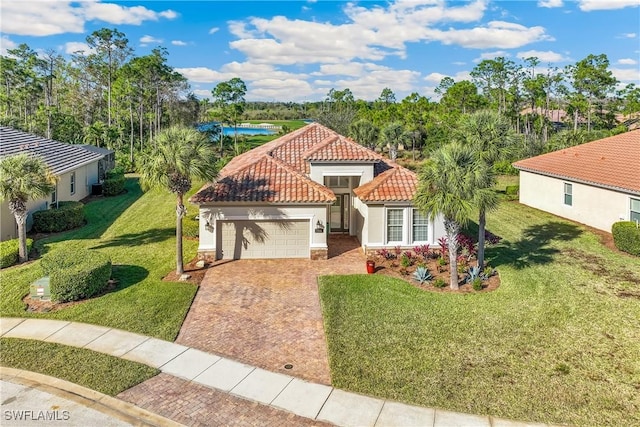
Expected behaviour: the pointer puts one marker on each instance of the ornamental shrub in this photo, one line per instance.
(626, 236)
(113, 183)
(76, 274)
(504, 167)
(66, 216)
(9, 251)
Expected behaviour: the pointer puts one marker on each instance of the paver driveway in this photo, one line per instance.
(267, 312)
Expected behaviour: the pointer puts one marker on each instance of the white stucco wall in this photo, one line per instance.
(85, 177)
(212, 214)
(318, 171)
(376, 227)
(593, 206)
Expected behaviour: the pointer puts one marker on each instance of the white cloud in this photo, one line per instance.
(496, 34)
(282, 90)
(550, 3)
(46, 18)
(627, 61)
(436, 78)
(544, 56)
(77, 47)
(214, 30)
(626, 74)
(6, 44)
(201, 74)
(589, 5)
(203, 93)
(147, 39)
(628, 35)
(178, 43)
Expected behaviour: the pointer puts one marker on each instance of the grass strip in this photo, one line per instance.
(101, 372)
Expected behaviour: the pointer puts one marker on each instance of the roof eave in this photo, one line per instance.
(580, 181)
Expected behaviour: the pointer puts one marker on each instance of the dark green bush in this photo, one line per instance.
(66, 216)
(113, 183)
(504, 167)
(626, 236)
(512, 190)
(76, 274)
(9, 252)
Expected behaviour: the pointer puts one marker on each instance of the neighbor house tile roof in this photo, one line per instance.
(612, 162)
(60, 157)
(278, 171)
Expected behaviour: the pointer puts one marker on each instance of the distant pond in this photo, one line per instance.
(242, 130)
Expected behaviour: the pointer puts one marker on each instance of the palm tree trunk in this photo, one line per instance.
(180, 212)
(482, 223)
(21, 219)
(452, 228)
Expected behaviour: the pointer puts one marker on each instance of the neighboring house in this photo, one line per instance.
(75, 168)
(597, 183)
(107, 162)
(284, 199)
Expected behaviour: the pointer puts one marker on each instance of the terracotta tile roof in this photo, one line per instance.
(612, 162)
(266, 180)
(278, 171)
(394, 185)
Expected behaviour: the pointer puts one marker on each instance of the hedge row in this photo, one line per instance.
(9, 252)
(113, 183)
(76, 273)
(66, 216)
(626, 236)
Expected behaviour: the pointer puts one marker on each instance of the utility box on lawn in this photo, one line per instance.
(40, 289)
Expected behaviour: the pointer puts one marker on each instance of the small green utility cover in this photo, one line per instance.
(40, 289)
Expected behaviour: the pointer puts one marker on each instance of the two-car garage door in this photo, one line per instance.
(246, 239)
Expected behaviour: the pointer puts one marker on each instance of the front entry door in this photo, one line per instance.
(340, 214)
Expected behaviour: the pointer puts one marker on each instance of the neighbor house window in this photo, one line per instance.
(73, 183)
(54, 195)
(635, 210)
(568, 194)
(395, 219)
(420, 227)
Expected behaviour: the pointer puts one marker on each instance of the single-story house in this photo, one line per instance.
(75, 167)
(285, 198)
(597, 183)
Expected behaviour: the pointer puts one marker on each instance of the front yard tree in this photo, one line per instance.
(489, 136)
(23, 178)
(446, 186)
(179, 156)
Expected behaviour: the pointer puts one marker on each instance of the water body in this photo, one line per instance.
(241, 130)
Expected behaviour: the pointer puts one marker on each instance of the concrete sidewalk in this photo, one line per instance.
(310, 400)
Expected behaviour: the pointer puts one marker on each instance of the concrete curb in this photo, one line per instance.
(108, 405)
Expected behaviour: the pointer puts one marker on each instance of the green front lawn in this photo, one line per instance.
(97, 371)
(138, 232)
(558, 342)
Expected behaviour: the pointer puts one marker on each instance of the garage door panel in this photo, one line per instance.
(263, 239)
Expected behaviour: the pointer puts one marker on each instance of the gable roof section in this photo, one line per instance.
(266, 180)
(612, 163)
(277, 172)
(396, 184)
(60, 157)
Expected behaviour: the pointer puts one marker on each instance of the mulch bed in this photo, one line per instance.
(36, 305)
(393, 269)
(195, 273)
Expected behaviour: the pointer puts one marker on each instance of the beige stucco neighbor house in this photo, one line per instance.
(75, 167)
(597, 183)
(286, 198)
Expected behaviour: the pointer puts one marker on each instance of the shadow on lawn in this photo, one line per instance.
(128, 275)
(146, 237)
(534, 246)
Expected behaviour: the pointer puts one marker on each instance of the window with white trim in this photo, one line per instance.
(72, 189)
(634, 214)
(54, 195)
(568, 194)
(395, 220)
(337, 181)
(420, 227)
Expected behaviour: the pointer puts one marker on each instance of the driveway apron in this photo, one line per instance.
(267, 312)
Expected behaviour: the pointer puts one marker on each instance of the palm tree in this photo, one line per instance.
(179, 156)
(489, 136)
(364, 133)
(392, 135)
(23, 178)
(446, 187)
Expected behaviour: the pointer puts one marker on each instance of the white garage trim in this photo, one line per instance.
(262, 239)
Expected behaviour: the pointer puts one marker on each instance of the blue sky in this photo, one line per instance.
(299, 50)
